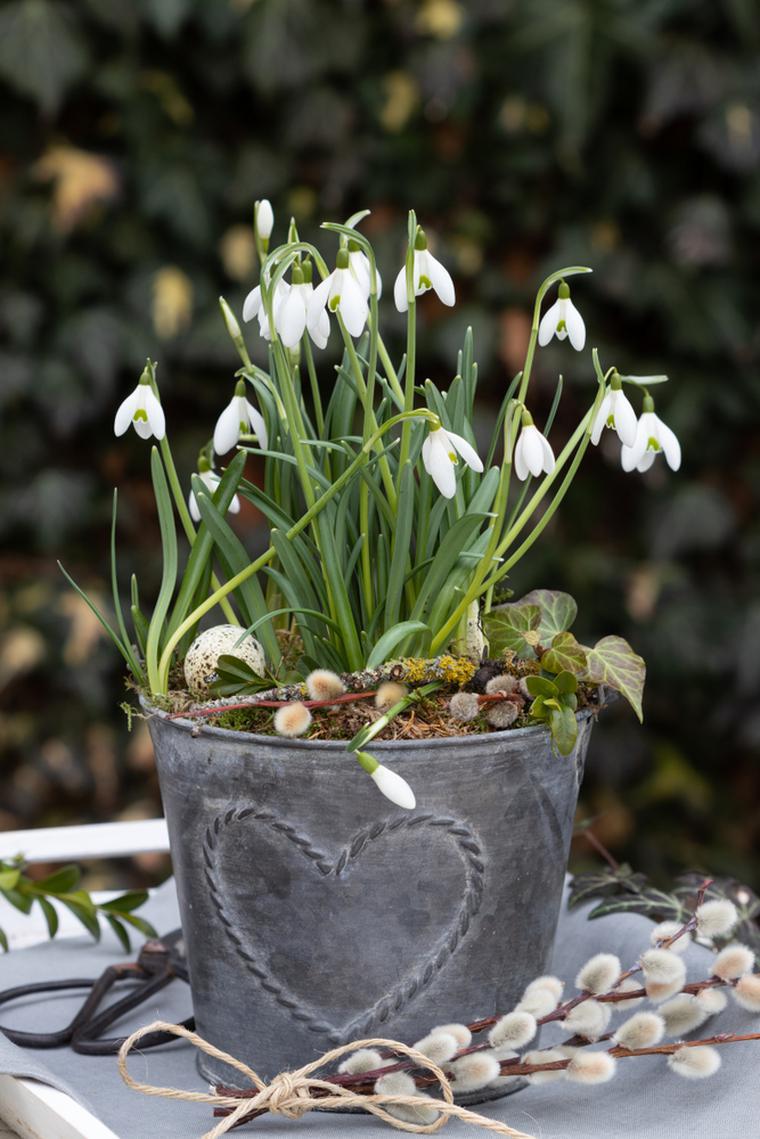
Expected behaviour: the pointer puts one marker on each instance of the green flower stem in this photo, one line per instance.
(390, 372)
(385, 470)
(411, 343)
(364, 735)
(186, 520)
(316, 395)
(264, 559)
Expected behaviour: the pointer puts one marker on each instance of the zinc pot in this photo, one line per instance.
(316, 912)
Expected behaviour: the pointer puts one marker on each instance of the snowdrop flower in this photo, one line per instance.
(439, 457)
(341, 293)
(427, 273)
(652, 436)
(238, 418)
(142, 409)
(615, 412)
(211, 480)
(562, 319)
(263, 220)
(389, 782)
(532, 453)
(254, 306)
(358, 263)
(291, 316)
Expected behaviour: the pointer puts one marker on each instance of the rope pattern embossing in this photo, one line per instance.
(411, 985)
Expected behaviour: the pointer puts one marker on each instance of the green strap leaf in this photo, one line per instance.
(383, 649)
(157, 628)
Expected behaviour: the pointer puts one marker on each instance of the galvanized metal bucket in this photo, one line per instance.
(315, 912)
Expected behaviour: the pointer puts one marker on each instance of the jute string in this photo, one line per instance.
(291, 1094)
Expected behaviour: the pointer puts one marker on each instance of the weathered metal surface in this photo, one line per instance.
(316, 912)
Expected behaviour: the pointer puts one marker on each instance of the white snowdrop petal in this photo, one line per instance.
(670, 446)
(258, 426)
(441, 280)
(291, 319)
(353, 306)
(548, 325)
(155, 412)
(227, 430)
(600, 419)
(399, 290)
(252, 304)
(642, 1030)
(365, 1060)
(625, 418)
(515, 1030)
(628, 459)
(532, 450)
(576, 329)
(683, 1014)
(192, 506)
(234, 507)
(264, 218)
(468, 452)
(599, 974)
(547, 457)
(521, 466)
(125, 411)
(474, 1072)
(591, 1068)
(439, 465)
(143, 428)
(394, 787)
(716, 918)
(695, 1063)
(733, 962)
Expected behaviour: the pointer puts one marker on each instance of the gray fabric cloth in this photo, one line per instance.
(644, 1101)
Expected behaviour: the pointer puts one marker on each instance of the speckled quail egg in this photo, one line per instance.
(208, 646)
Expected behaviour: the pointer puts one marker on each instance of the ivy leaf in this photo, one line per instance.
(513, 628)
(565, 655)
(612, 661)
(558, 611)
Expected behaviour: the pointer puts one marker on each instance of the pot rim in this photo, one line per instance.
(189, 726)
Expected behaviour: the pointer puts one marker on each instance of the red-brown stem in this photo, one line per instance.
(346, 698)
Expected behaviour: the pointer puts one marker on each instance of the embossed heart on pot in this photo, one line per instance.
(288, 923)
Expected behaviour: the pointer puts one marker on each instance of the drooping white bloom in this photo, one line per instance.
(264, 215)
(390, 783)
(532, 453)
(358, 263)
(143, 410)
(239, 417)
(341, 293)
(211, 480)
(254, 306)
(292, 315)
(652, 437)
(439, 457)
(616, 412)
(562, 319)
(427, 273)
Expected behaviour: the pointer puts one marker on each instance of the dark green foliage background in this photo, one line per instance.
(623, 134)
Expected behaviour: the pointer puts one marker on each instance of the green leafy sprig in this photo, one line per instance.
(63, 886)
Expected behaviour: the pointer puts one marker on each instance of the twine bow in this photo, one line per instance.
(291, 1094)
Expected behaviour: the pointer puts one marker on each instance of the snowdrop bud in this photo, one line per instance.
(389, 693)
(716, 918)
(438, 1046)
(683, 1014)
(548, 1056)
(264, 215)
(713, 1001)
(733, 961)
(514, 1030)
(591, 1068)
(642, 1030)
(388, 782)
(667, 929)
(746, 992)
(474, 1072)
(588, 1019)
(541, 996)
(365, 1060)
(460, 1032)
(663, 966)
(503, 714)
(230, 320)
(628, 986)
(321, 684)
(464, 706)
(694, 1063)
(292, 719)
(599, 974)
(502, 683)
